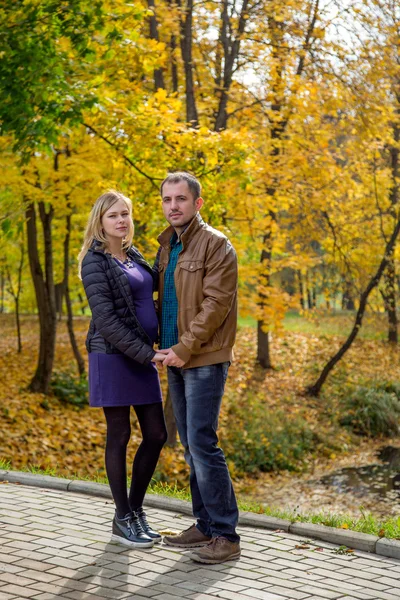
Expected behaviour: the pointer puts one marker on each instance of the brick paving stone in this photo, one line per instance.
(302, 566)
(102, 581)
(238, 596)
(14, 578)
(164, 596)
(169, 579)
(253, 573)
(381, 595)
(4, 596)
(388, 581)
(64, 562)
(96, 571)
(199, 596)
(306, 575)
(109, 593)
(84, 564)
(321, 592)
(360, 573)
(47, 596)
(170, 589)
(9, 568)
(331, 573)
(262, 595)
(138, 592)
(289, 583)
(18, 591)
(15, 544)
(250, 583)
(76, 595)
(200, 588)
(373, 585)
(28, 563)
(286, 593)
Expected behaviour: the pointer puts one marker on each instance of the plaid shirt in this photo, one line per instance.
(169, 312)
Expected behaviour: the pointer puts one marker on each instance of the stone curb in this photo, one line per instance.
(343, 537)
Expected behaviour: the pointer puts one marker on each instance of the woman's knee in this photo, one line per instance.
(119, 437)
(156, 438)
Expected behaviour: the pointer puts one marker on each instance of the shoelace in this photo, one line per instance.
(215, 541)
(143, 520)
(135, 520)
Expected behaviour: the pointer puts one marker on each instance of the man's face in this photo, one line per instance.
(179, 205)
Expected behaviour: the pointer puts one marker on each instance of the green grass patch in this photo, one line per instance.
(69, 388)
(331, 324)
(259, 439)
(364, 523)
(373, 410)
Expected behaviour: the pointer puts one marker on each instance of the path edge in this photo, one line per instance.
(387, 547)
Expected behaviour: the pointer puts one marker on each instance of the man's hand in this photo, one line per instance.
(171, 359)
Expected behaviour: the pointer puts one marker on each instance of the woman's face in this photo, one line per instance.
(116, 221)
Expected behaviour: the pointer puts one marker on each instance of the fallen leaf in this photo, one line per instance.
(169, 532)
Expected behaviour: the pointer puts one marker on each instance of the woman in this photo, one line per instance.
(122, 372)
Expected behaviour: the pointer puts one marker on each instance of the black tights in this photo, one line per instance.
(154, 433)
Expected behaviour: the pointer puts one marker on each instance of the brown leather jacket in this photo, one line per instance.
(206, 288)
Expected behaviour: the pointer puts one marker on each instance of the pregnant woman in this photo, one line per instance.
(122, 372)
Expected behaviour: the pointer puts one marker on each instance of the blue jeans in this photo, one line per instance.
(196, 396)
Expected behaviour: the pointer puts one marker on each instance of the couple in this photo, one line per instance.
(196, 277)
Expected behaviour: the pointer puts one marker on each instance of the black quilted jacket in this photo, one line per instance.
(114, 327)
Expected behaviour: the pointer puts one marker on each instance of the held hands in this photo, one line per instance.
(170, 358)
(158, 358)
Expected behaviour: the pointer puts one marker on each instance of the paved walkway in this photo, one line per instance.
(57, 545)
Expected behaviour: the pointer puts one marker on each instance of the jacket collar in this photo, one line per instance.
(196, 223)
(98, 246)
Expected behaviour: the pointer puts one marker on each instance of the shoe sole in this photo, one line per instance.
(177, 545)
(211, 561)
(125, 542)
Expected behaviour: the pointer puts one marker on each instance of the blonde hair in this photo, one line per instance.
(94, 229)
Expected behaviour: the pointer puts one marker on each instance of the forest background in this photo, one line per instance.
(289, 114)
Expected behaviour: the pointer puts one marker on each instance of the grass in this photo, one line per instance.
(365, 523)
(333, 323)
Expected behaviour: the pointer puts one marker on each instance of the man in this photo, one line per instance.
(198, 302)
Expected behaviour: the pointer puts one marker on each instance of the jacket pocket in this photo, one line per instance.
(192, 265)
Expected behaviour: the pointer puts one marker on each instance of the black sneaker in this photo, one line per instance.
(129, 531)
(154, 535)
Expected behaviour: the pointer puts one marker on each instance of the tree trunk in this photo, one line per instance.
(45, 296)
(18, 324)
(231, 46)
(314, 390)
(301, 289)
(2, 284)
(16, 293)
(263, 353)
(279, 117)
(170, 422)
(70, 318)
(158, 74)
(186, 41)
(59, 290)
(347, 297)
(389, 296)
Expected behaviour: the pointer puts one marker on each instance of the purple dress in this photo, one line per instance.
(116, 379)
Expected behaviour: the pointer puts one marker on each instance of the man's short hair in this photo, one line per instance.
(193, 183)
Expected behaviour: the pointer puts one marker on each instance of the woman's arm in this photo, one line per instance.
(101, 301)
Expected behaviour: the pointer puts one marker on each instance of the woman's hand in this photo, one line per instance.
(158, 357)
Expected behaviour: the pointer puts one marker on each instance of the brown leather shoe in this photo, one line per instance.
(190, 538)
(217, 551)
